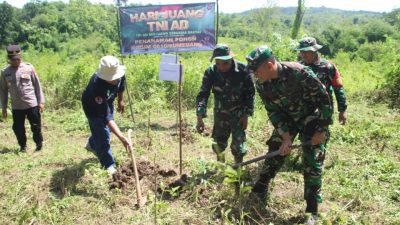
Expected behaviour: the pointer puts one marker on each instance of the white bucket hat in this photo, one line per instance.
(109, 68)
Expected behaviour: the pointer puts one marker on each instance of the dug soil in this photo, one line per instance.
(152, 178)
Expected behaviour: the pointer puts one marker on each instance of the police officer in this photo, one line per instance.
(233, 90)
(98, 98)
(297, 104)
(326, 72)
(27, 100)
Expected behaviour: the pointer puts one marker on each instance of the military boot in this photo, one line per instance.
(39, 147)
(238, 158)
(260, 189)
(312, 206)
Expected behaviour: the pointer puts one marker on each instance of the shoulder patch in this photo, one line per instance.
(338, 82)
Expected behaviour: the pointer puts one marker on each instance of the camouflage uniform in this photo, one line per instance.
(329, 75)
(233, 98)
(297, 103)
(326, 72)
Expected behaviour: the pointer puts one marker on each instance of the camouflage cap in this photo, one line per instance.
(221, 51)
(13, 52)
(257, 57)
(308, 44)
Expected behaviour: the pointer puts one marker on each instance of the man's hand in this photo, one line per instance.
(121, 107)
(342, 118)
(41, 107)
(318, 138)
(285, 148)
(125, 141)
(286, 145)
(243, 122)
(200, 124)
(115, 129)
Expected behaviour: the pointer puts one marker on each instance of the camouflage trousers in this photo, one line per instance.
(225, 124)
(313, 159)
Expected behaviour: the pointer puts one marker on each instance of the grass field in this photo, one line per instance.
(63, 184)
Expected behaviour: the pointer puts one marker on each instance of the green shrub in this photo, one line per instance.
(393, 83)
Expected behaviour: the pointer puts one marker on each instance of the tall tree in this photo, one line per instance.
(265, 18)
(299, 17)
(6, 22)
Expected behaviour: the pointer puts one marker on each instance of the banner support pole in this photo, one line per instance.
(217, 30)
(180, 115)
(122, 59)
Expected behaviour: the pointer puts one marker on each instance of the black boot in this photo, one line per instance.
(312, 207)
(238, 158)
(22, 148)
(260, 189)
(39, 147)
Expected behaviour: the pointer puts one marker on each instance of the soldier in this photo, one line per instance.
(27, 100)
(297, 103)
(233, 90)
(326, 72)
(97, 102)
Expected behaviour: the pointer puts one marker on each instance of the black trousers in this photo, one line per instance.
(33, 115)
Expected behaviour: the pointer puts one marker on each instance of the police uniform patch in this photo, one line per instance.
(98, 100)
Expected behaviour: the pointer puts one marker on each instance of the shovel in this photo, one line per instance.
(141, 201)
(266, 156)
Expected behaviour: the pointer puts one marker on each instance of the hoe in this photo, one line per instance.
(268, 155)
(141, 201)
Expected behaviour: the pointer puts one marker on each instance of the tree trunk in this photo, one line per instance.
(298, 19)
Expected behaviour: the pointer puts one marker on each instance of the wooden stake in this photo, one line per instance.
(180, 116)
(140, 201)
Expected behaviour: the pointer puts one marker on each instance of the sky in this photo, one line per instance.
(232, 6)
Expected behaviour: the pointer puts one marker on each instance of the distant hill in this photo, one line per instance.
(324, 10)
(291, 11)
